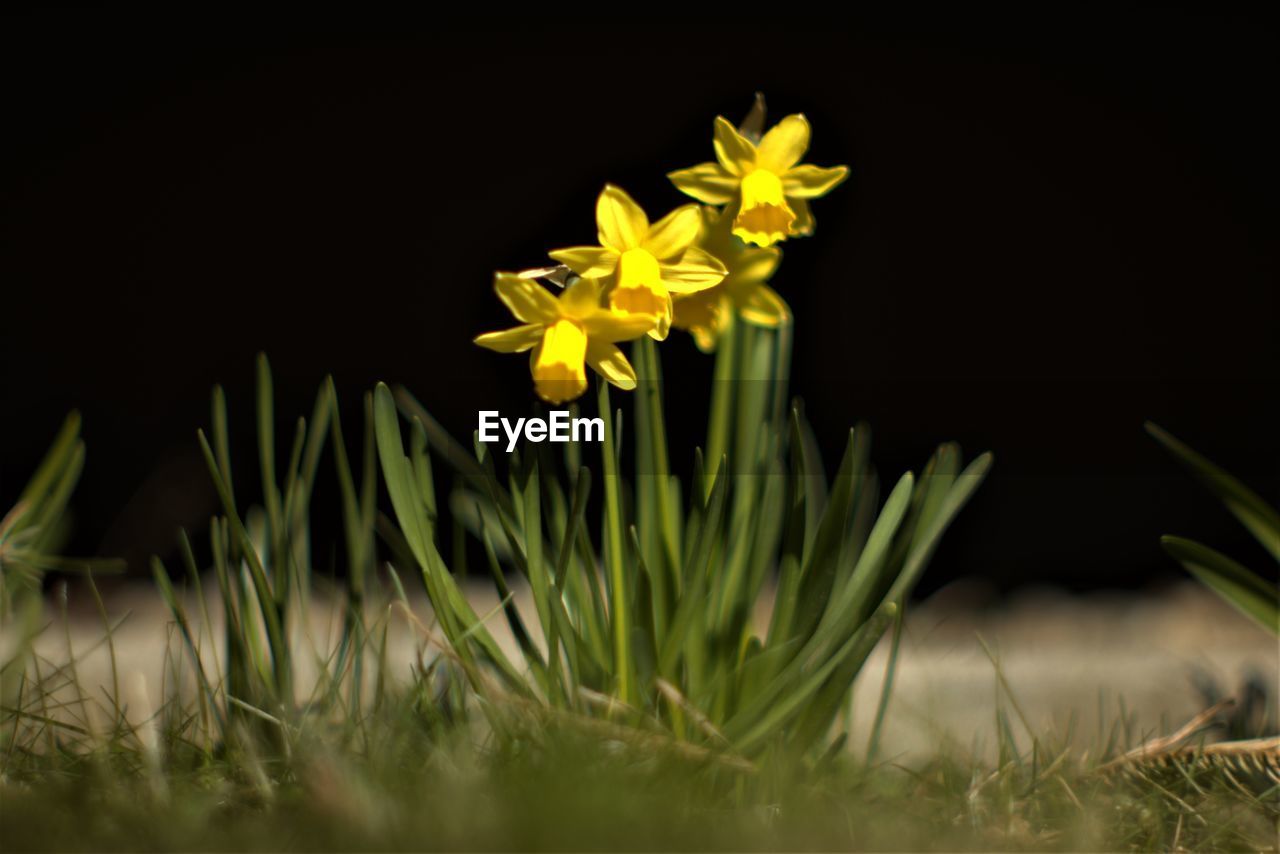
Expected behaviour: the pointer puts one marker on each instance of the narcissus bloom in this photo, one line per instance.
(644, 263)
(708, 313)
(565, 335)
(770, 185)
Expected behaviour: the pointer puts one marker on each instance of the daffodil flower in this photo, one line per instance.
(707, 314)
(565, 335)
(768, 181)
(644, 263)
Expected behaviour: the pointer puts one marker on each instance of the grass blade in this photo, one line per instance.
(1244, 589)
(1262, 520)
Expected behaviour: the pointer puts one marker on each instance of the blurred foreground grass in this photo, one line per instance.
(419, 772)
(571, 791)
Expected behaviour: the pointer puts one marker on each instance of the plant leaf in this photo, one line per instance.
(1242, 588)
(1262, 520)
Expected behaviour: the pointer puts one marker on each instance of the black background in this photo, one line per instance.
(1056, 228)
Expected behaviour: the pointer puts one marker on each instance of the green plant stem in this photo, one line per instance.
(781, 371)
(613, 553)
(668, 570)
(722, 388)
(886, 688)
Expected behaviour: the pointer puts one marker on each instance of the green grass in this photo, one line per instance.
(564, 789)
(1248, 591)
(656, 613)
(664, 720)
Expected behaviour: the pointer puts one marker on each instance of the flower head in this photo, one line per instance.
(565, 335)
(708, 313)
(770, 185)
(643, 263)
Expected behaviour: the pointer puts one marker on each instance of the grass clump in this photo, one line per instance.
(466, 750)
(568, 790)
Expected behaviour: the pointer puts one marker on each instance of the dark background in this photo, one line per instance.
(1055, 228)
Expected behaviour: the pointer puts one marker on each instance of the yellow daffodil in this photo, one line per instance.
(707, 314)
(645, 264)
(770, 185)
(565, 335)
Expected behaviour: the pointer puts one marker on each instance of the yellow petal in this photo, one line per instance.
(611, 326)
(807, 181)
(638, 267)
(591, 261)
(706, 182)
(696, 270)
(703, 315)
(756, 265)
(640, 291)
(803, 226)
(582, 299)
(608, 361)
(662, 327)
(641, 299)
(514, 340)
(621, 222)
(527, 300)
(734, 151)
(559, 372)
(784, 144)
(671, 235)
(764, 217)
(690, 310)
(716, 235)
(764, 307)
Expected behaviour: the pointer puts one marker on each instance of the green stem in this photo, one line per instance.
(886, 690)
(781, 371)
(620, 608)
(722, 388)
(668, 569)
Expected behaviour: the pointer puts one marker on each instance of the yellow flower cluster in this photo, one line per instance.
(696, 268)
